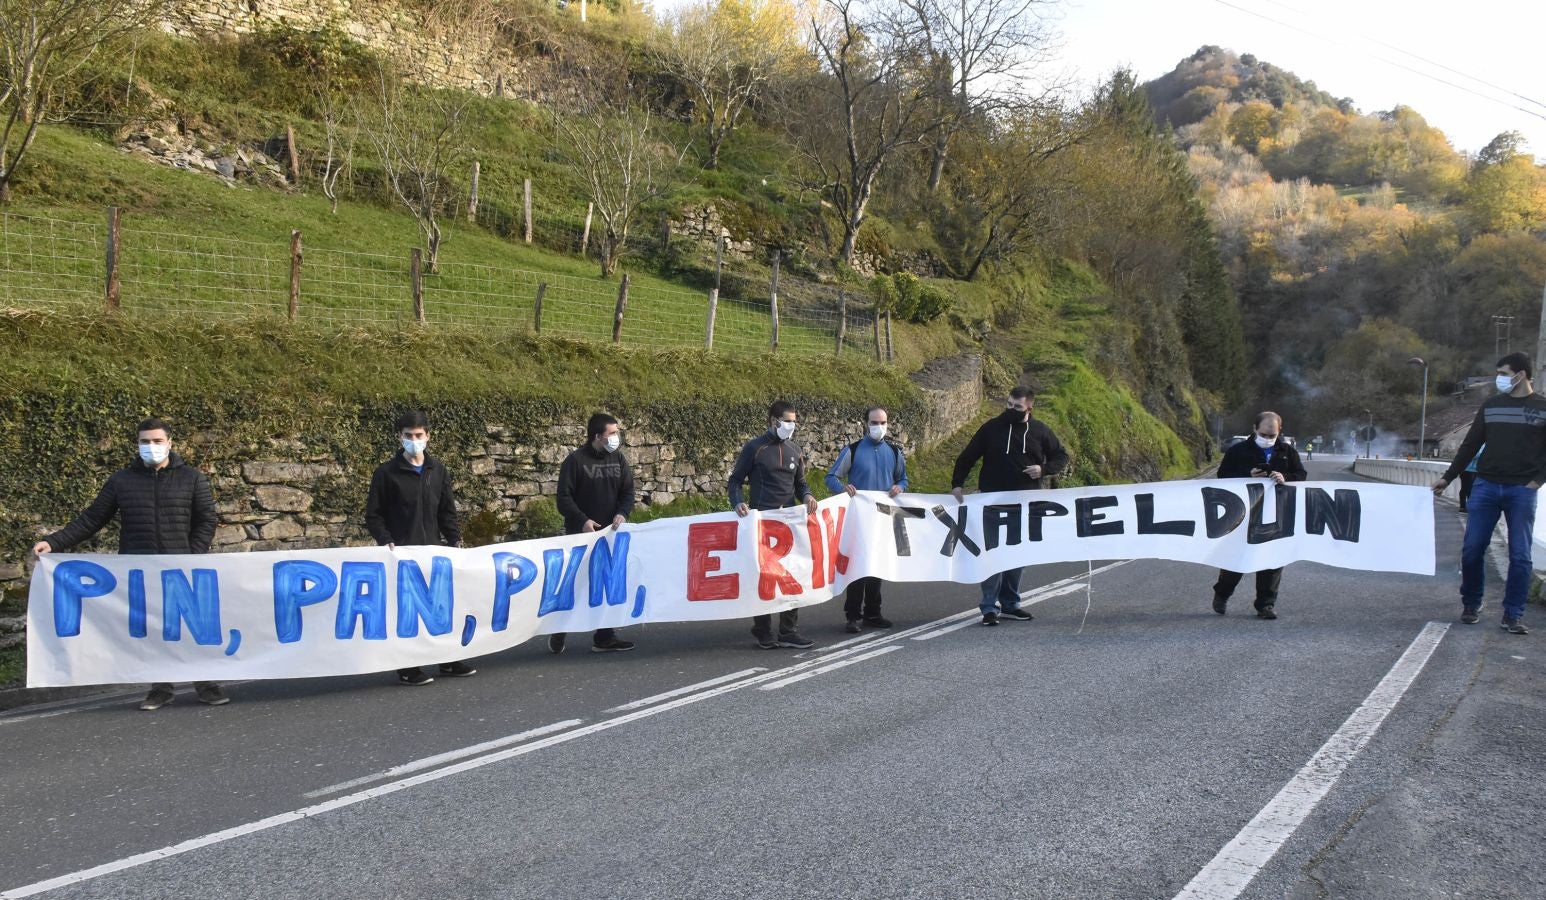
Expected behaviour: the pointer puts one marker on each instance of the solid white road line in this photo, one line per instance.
(868, 636)
(429, 762)
(1238, 863)
(64, 707)
(785, 682)
(647, 701)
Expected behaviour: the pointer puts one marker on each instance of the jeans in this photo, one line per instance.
(862, 599)
(1516, 504)
(1001, 591)
(762, 626)
(1267, 582)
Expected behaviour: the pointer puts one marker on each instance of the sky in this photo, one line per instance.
(1363, 49)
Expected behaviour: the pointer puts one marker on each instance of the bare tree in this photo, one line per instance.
(340, 118)
(624, 161)
(867, 102)
(980, 52)
(44, 44)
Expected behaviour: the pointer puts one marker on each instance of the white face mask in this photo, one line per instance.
(784, 430)
(154, 454)
(1505, 383)
(414, 448)
(877, 432)
(1265, 443)
(613, 443)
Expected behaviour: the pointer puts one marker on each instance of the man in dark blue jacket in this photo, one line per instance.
(163, 505)
(1017, 452)
(1265, 455)
(595, 491)
(772, 465)
(872, 463)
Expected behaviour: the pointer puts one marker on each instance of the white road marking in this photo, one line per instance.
(429, 762)
(1237, 864)
(712, 682)
(870, 636)
(785, 682)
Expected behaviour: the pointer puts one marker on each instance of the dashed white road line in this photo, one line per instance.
(712, 682)
(785, 682)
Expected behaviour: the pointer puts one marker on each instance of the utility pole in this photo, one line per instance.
(1422, 433)
(1540, 340)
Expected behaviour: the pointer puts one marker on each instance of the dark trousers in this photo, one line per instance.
(762, 626)
(1267, 581)
(862, 599)
(1467, 479)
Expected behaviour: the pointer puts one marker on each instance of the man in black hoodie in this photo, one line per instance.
(1265, 455)
(774, 466)
(411, 503)
(595, 490)
(1017, 452)
(163, 505)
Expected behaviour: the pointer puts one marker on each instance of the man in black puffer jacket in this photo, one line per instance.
(1265, 455)
(1017, 452)
(163, 505)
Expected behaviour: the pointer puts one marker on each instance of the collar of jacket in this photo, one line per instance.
(403, 463)
(173, 461)
(598, 454)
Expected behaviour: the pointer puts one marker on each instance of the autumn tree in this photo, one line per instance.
(1506, 190)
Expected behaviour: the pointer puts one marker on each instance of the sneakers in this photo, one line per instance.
(556, 643)
(1514, 626)
(854, 626)
(765, 641)
(157, 698)
(1219, 604)
(212, 695)
(1266, 612)
(1017, 614)
(457, 670)
(795, 640)
(876, 622)
(990, 618)
(1470, 615)
(611, 645)
(414, 678)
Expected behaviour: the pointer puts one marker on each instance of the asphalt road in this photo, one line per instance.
(1107, 756)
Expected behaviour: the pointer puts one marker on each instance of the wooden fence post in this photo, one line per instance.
(536, 315)
(526, 207)
(719, 260)
(295, 273)
(773, 300)
(665, 232)
(890, 350)
(295, 162)
(875, 320)
(472, 198)
(111, 288)
(842, 320)
(590, 208)
(708, 336)
(415, 274)
(622, 305)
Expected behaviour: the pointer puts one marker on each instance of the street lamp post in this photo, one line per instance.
(1422, 434)
(1368, 437)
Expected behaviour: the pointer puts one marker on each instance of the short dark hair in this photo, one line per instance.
(1519, 363)
(412, 418)
(779, 407)
(1021, 392)
(152, 424)
(871, 411)
(598, 424)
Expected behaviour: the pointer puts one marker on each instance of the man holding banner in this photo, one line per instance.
(773, 467)
(872, 463)
(411, 503)
(1268, 456)
(1017, 452)
(595, 491)
(163, 505)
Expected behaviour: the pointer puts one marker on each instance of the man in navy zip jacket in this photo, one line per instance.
(1512, 424)
(1017, 452)
(163, 505)
(1266, 455)
(595, 491)
(773, 467)
(872, 463)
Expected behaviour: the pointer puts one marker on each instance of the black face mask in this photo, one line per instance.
(1013, 415)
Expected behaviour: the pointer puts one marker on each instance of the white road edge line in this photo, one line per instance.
(648, 701)
(1237, 864)
(429, 762)
(785, 682)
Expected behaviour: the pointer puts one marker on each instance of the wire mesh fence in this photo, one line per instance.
(57, 263)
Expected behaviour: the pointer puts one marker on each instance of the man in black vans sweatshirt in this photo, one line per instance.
(1017, 452)
(595, 491)
(1265, 455)
(411, 503)
(1512, 423)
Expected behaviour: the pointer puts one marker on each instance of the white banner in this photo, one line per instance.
(98, 619)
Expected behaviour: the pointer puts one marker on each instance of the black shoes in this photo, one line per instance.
(854, 626)
(210, 695)
(876, 622)
(457, 670)
(157, 698)
(611, 645)
(1219, 603)
(1514, 626)
(795, 640)
(1017, 614)
(1266, 612)
(415, 678)
(1470, 615)
(556, 643)
(990, 618)
(765, 641)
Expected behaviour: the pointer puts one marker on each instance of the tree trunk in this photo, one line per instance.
(937, 166)
(5, 189)
(433, 233)
(716, 140)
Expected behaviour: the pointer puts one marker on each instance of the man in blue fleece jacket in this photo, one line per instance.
(872, 463)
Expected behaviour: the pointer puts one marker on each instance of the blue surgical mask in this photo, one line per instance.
(413, 448)
(1505, 383)
(154, 454)
(613, 443)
